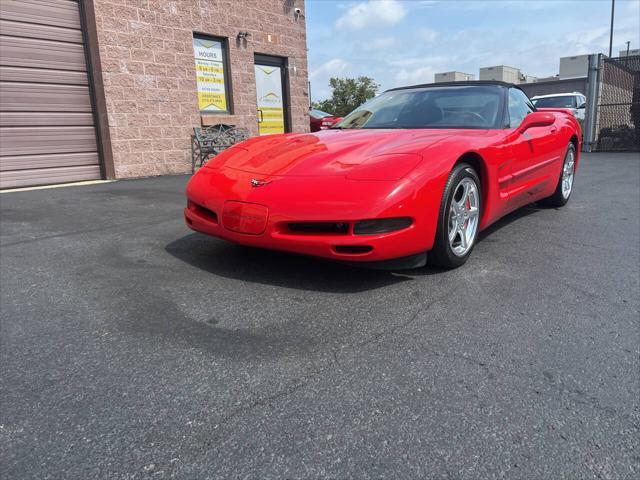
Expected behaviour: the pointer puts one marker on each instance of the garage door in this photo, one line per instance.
(47, 132)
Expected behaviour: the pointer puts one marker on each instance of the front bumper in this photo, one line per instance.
(329, 199)
(349, 247)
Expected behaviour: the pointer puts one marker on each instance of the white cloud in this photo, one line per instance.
(421, 60)
(419, 69)
(378, 43)
(434, 37)
(517, 5)
(587, 41)
(414, 76)
(333, 67)
(418, 4)
(319, 77)
(427, 35)
(371, 13)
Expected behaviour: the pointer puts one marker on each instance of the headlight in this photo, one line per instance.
(381, 225)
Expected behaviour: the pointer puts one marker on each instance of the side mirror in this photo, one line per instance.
(537, 119)
(582, 105)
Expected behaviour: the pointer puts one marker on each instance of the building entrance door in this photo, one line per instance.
(271, 94)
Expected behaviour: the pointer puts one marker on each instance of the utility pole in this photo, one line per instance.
(613, 4)
(626, 60)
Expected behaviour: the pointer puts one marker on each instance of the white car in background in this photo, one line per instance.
(575, 101)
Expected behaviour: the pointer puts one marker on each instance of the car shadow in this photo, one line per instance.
(482, 236)
(277, 268)
(301, 272)
(509, 219)
(158, 316)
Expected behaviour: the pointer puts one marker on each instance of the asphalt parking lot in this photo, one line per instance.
(134, 348)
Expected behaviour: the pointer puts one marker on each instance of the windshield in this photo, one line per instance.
(564, 101)
(319, 113)
(432, 107)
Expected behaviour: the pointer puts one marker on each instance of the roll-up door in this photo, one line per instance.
(47, 132)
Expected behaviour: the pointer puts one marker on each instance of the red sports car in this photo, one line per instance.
(415, 170)
(319, 120)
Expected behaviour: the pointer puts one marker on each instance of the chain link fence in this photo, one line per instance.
(617, 126)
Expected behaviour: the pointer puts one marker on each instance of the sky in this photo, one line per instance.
(404, 42)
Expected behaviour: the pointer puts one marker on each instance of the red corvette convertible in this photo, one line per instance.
(319, 120)
(415, 170)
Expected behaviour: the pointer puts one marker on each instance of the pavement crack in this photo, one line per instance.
(265, 401)
(559, 386)
(301, 382)
(399, 326)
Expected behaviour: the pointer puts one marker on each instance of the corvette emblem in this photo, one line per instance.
(259, 183)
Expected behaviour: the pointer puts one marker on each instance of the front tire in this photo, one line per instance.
(459, 218)
(565, 183)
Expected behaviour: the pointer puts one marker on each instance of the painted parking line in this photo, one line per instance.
(59, 185)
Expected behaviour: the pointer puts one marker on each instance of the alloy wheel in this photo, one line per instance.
(568, 170)
(463, 216)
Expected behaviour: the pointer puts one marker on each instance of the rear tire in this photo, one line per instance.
(459, 218)
(565, 183)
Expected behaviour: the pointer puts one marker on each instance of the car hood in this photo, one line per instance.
(330, 152)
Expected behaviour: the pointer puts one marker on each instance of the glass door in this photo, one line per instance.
(271, 100)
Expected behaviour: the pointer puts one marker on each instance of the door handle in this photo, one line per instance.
(554, 129)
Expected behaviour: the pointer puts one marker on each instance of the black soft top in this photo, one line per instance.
(497, 83)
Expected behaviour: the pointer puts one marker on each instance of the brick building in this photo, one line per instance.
(113, 88)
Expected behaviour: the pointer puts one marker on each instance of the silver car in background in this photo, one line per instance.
(575, 101)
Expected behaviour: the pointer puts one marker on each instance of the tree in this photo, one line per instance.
(347, 95)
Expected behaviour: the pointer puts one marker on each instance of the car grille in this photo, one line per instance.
(326, 228)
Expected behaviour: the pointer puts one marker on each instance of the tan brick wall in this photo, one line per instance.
(149, 76)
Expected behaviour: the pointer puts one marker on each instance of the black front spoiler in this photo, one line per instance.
(417, 260)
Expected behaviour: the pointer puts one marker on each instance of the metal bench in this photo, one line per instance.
(207, 142)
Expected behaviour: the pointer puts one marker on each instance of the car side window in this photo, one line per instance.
(519, 107)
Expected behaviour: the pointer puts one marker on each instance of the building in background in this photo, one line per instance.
(453, 77)
(107, 89)
(573, 76)
(632, 52)
(574, 67)
(549, 79)
(501, 73)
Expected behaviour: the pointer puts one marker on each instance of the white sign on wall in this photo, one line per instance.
(209, 56)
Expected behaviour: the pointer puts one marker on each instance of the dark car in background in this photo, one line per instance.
(319, 120)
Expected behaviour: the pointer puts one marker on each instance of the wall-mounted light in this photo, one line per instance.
(242, 35)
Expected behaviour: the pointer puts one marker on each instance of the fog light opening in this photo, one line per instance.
(353, 249)
(381, 225)
(202, 212)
